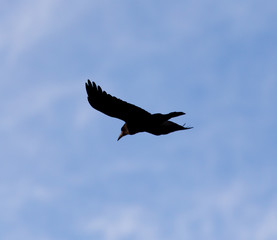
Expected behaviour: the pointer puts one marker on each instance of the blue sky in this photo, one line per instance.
(63, 175)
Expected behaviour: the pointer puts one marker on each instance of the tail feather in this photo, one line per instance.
(169, 127)
(174, 114)
(185, 128)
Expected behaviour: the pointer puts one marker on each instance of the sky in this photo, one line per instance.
(63, 174)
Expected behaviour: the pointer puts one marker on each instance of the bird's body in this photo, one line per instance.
(136, 119)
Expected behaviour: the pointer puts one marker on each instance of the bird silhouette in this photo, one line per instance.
(136, 119)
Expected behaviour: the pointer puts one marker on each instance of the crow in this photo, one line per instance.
(136, 119)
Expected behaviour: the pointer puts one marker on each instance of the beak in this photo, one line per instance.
(121, 135)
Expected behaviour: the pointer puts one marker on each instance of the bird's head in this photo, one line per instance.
(124, 131)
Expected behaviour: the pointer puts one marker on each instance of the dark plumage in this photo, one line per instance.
(136, 119)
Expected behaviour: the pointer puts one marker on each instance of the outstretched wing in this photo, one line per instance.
(113, 106)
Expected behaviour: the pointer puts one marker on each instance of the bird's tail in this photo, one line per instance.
(174, 114)
(168, 127)
(165, 117)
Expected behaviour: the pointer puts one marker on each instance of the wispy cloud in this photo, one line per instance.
(120, 223)
(25, 24)
(214, 59)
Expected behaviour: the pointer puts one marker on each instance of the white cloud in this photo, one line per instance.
(215, 212)
(37, 100)
(233, 211)
(266, 228)
(28, 22)
(25, 24)
(121, 223)
(230, 213)
(18, 193)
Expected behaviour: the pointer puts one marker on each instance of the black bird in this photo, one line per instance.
(136, 119)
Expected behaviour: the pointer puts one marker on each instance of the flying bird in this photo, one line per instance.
(136, 119)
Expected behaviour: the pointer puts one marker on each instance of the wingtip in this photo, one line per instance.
(99, 89)
(88, 83)
(93, 84)
(89, 87)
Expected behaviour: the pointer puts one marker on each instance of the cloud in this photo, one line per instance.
(208, 57)
(29, 22)
(231, 213)
(37, 100)
(25, 24)
(266, 228)
(18, 194)
(117, 223)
